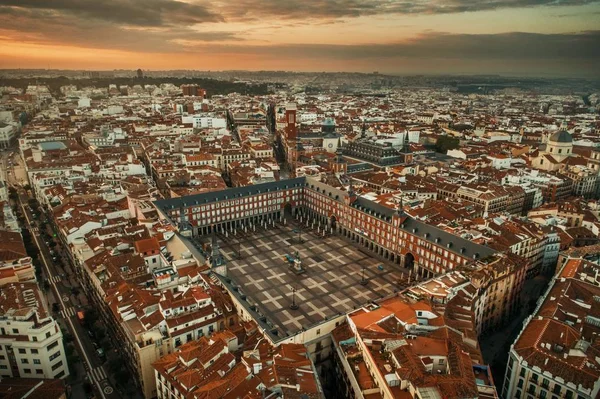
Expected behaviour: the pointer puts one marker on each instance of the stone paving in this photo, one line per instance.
(330, 285)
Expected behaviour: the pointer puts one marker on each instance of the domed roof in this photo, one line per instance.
(329, 122)
(562, 136)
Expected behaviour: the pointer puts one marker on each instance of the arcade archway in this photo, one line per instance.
(409, 261)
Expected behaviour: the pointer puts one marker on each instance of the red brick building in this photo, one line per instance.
(385, 231)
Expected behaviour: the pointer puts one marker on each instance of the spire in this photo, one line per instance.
(338, 151)
(405, 143)
(400, 208)
(363, 132)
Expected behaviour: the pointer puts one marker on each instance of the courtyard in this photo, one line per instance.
(330, 284)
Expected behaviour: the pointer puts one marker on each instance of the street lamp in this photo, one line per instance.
(363, 280)
(294, 305)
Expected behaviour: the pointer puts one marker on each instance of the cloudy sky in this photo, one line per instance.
(517, 37)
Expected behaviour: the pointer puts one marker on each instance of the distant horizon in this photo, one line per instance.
(394, 37)
(398, 74)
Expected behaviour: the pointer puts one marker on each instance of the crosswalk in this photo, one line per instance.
(98, 373)
(55, 279)
(67, 312)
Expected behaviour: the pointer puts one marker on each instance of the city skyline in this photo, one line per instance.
(426, 37)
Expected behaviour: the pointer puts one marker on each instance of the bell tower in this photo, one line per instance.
(340, 166)
(291, 130)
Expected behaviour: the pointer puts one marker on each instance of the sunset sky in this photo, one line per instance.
(517, 37)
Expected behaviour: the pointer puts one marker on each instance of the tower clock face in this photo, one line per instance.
(330, 145)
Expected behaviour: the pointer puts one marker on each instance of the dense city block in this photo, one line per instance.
(284, 235)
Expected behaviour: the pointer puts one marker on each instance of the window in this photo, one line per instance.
(52, 345)
(15, 330)
(24, 361)
(39, 371)
(59, 375)
(37, 361)
(27, 371)
(54, 355)
(34, 351)
(22, 350)
(556, 389)
(569, 395)
(545, 383)
(57, 365)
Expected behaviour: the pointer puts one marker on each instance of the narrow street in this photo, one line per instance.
(495, 346)
(64, 297)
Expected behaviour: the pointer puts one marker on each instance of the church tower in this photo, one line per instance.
(340, 166)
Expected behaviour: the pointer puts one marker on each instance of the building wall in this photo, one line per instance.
(30, 352)
(524, 381)
(384, 235)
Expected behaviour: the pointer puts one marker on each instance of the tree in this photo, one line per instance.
(445, 143)
(67, 337)
(122, 377)
(69, 350)
(13, 196)
(105, 344)
(90, 318)
(87, 387)
(115, 365)
(100, 333)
